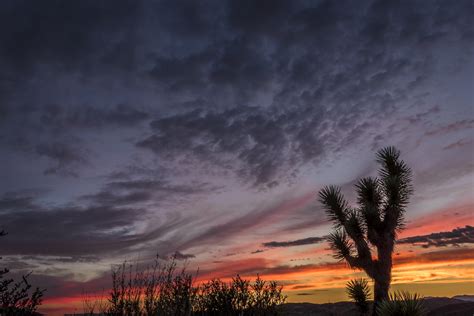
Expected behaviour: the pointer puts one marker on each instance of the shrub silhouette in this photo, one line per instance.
(18, 298)
(376, 220)
(358, 291)
(158, 290)
(163, 289)
(239, 297)
(402, 304)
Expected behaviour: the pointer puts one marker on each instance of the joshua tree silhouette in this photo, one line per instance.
(373, 225)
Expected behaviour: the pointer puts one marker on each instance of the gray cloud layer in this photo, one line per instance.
(291, 243)
(257, 89)
(456, 237)
(121, 115)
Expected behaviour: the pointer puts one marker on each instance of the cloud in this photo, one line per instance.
(253, 143)
(451, 128)
(79, 231)
(12, 201)
(76, 42)
(66, 157)
(259, 97)
(455, 237)
(292, 243)
(181, 256)
(253, 94)
(459, 144)
(249, 221)
(134, 191)
(61, 118)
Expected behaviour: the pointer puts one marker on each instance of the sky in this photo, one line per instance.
(206, 128)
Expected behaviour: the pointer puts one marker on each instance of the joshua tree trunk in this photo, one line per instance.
(374, 222)
(383, 273)
(381, 286)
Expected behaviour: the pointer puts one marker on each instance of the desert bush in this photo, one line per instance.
(157, 290)
(239, 297)
(402, 304)
(163, 289)
(18, 298)
(358, 290)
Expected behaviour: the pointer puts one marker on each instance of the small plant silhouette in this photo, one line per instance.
(402, 304)
(358, 290)
(18, 298)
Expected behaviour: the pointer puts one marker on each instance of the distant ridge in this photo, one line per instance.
(467, 298)
(459, 305)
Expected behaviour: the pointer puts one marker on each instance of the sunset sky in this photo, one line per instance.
(206, 128)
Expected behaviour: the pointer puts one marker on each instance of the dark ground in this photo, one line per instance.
(435, 306)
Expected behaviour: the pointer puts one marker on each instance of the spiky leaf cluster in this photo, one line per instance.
(402, 304)
(358, 290)
(377, 218)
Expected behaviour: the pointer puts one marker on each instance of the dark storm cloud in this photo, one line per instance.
(55, 132)
(160, 186)
(135, 191)
(100, 223)
(54, 116)
(313, 91)
(108, 197)
(60, 35)
(455, 237)
(15, 201)
(291, 243)
(183, 256)
(65, 157)
(247, 135)
(254, 90)
(304, 69)
(74, 230)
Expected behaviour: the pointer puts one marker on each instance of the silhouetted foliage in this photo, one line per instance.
(358, 291)
(374, 222)
(165, 290)
(239, 297)
(18, 298)
(402, 304)
(158, 290)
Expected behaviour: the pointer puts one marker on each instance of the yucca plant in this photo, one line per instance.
(402, 304)
(358, 290)
(374, 223)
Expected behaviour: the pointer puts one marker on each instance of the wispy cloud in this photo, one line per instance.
(456, 237)
(292, 243)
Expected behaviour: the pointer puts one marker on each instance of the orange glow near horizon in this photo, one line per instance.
(326, 283)
(415, 268)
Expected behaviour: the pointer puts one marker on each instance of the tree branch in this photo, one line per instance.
(370, 200)
(396, 185)
(334, 204)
